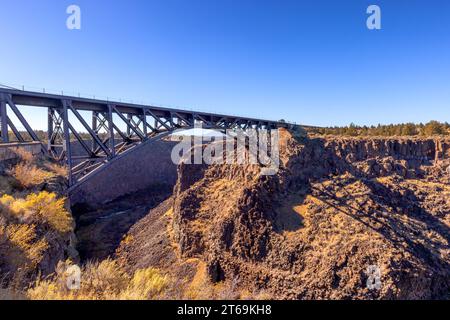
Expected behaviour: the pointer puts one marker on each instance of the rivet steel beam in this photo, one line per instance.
(4, 120)
(67, 146)
(105, 147)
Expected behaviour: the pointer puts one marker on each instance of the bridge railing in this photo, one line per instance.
(78, 94)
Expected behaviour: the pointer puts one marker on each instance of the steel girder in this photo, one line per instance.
(102, 140)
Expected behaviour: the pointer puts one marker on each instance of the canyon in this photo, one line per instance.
(336, 207)
(343, 218)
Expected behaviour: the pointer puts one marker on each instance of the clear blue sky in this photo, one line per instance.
(313, 62)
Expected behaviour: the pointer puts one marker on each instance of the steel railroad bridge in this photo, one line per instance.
(106, 139)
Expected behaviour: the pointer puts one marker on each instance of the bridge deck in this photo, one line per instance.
(142, 122)
(46, 100)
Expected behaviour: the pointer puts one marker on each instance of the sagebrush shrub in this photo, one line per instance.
(145, 284)
(21, 250)
(56, 168)
(105, 280)
(41, 207)
(24, 155)
(29, 175)
(46, 206)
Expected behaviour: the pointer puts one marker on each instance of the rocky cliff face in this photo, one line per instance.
(337, 210)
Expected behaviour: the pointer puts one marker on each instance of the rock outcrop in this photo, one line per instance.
(339, 214)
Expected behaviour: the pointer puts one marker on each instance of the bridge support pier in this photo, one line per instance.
(112, 143)
(50, 127)
(4, 120)
(67, 147)
(94, 127)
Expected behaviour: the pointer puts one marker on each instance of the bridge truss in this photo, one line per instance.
(102, 139)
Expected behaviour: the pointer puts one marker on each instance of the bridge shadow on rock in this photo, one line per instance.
(395, 212)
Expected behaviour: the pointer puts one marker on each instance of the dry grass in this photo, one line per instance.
(29, 175)
(10, 206)
(293, 215)
(59, 170)
(201, 288)
(429, 184)
(23, 245)
(24, 155)
(30, 225)
(42, 207)
(27, 228)
(145, 284)
(21, 251)
(171, 234)
(33, 171)
(105, 280)
(46, 206)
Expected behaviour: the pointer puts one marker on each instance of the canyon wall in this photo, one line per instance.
(336, 208)
(148, 165)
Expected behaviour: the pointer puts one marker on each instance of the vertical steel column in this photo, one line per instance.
(129, 117)
(94, 127)
(67, 147)
(111, 130)
(144, 121)
(4, 119)
(50, 127)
